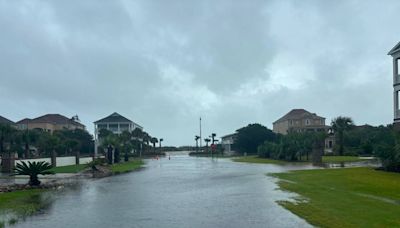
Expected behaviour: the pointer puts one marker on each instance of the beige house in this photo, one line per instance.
(50, 123)
(299, 120)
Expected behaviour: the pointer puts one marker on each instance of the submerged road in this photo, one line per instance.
(181, 192)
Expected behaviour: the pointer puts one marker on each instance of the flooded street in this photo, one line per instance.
(181, 192)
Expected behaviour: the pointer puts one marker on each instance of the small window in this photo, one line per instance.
(307, 122)
(290, 122)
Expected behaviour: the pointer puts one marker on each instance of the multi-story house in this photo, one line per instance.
(395, 53)
(50, 123)
(114, 123)
(299, 120)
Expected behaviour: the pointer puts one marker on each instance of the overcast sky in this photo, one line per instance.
(163, 64)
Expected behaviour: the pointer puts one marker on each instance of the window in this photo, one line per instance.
(124, 127)
(102, 126)
(290, 122)
(307, 122)
(113, 127)
(397, 100)
(397, 66)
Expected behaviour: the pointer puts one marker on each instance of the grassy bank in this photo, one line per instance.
(19, 204)
(69, 168)
(325, 159)
(351, 197)
(127, 166)
(115, 168)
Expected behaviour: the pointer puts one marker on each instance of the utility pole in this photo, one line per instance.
(200, 134)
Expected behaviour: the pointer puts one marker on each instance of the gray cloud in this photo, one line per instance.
(165, 64)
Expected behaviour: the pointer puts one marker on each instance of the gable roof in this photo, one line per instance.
(114, 118)
(53, 119)
(4, 120)
(298, 114)
(394, 49)
(24, 121)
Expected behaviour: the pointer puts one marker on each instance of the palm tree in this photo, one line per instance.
(196, 138)
(29, 137)
(207, 140)
(33, 169)
(6, 132)
(154, 140)
(160, 142)
(341, 124)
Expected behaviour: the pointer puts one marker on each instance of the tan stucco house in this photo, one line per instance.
(299, 120)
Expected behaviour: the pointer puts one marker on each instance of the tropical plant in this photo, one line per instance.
(207, 140)
(339, 125)
(154, 140)
(196, 138)
(33, 169)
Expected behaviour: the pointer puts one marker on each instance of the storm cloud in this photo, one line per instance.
(164, 64)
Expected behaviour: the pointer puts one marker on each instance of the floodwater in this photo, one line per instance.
(181, 192)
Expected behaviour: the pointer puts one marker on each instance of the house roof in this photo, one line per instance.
(298, 114)
(394, 49)
(54, 119)
(114, 118)
(24, 121)
(4, 120)
(227, 136)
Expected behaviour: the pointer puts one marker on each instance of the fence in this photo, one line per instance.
(60, 161)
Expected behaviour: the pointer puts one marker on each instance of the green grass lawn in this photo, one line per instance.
(325, 159)
(350, 197)
(21, 204)
(69, 168)
(256, 159)
(333, 159)
(127, 166)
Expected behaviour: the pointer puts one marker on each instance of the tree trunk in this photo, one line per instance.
(54, 158)
(34, 180)
(26, 151)
(77, 155)
(317, 151)
(341, 146)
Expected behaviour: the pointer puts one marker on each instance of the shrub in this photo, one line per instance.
(33, 169)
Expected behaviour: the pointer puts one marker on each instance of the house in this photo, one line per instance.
(227, 142)
(395, 53)
(115, 123)
(50, 123)
(6, 121)
(299, 120)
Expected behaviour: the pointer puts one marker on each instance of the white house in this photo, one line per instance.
(227, 142)
(395, 53)
(114, 123)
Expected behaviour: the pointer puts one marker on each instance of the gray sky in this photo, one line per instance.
(163, 64)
